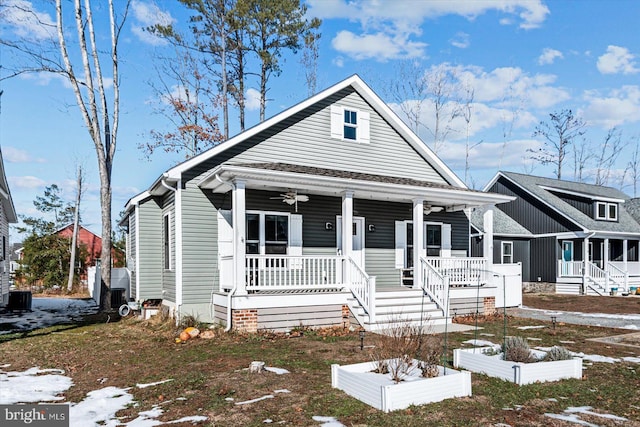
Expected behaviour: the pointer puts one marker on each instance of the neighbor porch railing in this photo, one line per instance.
(363, 287)
(570, 268)
(284, 272)
(462, 271)
(618, 276)
(435, 285)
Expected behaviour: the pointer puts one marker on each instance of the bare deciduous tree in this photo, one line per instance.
(633, 167)
(582, 155)
(609, 152)
(76, 226)
(559, 133)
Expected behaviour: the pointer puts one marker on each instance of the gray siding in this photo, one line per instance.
(169, 276)
(131, 253)
(521, 253)
(305, 139)
(584, 205)
(199, 245)
(149, 263)
(4, 248)
(529, 212)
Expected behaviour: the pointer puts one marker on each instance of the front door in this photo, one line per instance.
(567, 258)
(357, 243)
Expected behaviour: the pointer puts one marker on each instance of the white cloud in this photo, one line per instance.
(25, 182)
(379, 46)
(387, 27)
(618, 107)
(617, 60)
(338, 61)
(27, 22)
(511, 155)
(147, 15)
(548, 56)
(16, 155)
(461, 40)
(252, 99)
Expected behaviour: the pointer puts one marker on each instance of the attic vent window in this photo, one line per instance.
(350, 124)
(606, 211)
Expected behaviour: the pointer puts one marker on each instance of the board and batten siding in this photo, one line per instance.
(305, 139)
(149, 257)
(529, 212)
(544, 259)
(521, 253)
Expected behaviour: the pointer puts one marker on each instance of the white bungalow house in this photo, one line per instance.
(251, 232)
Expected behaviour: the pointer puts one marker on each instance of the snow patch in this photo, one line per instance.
(278, 371)
(268, 396)
(572, 415)
(524, 328)
(31, 387)
(152, 384)
(327, 421)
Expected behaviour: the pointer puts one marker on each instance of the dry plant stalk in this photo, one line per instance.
(405, 347)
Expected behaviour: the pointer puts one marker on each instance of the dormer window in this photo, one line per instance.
(606, 211)
(349, 124)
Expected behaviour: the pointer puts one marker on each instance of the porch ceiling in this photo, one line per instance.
(329, 182)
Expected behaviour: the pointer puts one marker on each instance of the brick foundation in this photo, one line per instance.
(245, 320)
(489, 305)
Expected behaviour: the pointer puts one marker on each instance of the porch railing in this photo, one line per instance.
(283, 272)
(597, 276)
(435, 285)
(462, 271)
(618, 276)
(363, 287)
(570, 268)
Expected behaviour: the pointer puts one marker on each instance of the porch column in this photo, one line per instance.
(418, 240)
(347, 232)
(239, 236)
(487, 240)
(585, 260)
(625, 248)
(605, 255)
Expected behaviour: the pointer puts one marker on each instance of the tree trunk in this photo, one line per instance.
(74, 238)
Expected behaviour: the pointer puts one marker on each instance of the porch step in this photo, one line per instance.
(395, 308)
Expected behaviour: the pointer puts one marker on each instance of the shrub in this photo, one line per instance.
(558, 353)
(516, 349)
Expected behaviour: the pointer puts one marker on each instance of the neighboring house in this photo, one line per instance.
(579, 236)
(7, 216)
(15, 255)
(92, 244)
(250, 233)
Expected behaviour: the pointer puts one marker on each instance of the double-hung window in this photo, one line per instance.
(350, 124)
(507, 252)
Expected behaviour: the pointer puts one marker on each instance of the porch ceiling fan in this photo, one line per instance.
(292, 198)
(428, 209)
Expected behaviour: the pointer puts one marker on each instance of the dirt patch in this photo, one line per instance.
(629, 340)
(584, 303)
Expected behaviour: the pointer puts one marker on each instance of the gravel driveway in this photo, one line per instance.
(623, 321)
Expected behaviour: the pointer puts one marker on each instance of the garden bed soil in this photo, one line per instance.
(584, 303)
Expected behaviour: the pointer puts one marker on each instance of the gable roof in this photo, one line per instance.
(503, 224)
(5, 195)
(542, 189)
(175, 173)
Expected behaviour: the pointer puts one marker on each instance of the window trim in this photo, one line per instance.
(262, 238)
(346, 124)
(607, 211)
(167, 262)
(502, 254)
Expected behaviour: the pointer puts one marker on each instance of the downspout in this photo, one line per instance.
(175, 190)
(234, 288)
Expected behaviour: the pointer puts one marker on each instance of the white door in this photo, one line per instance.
(357, 242)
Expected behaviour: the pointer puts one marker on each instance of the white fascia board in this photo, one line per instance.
(584, 195)
(135, 201)
(366, 92)
(492, 181)
(381, 107)
(454, 196)
(176, 172)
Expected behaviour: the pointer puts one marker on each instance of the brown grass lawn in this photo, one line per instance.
(583, 303)
(207, 372)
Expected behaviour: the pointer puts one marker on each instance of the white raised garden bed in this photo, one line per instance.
(381, 392)
(475, 360)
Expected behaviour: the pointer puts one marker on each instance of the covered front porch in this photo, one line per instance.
(598, 264)
(296, 251)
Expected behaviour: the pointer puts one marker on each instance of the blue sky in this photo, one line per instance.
(523, 58)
